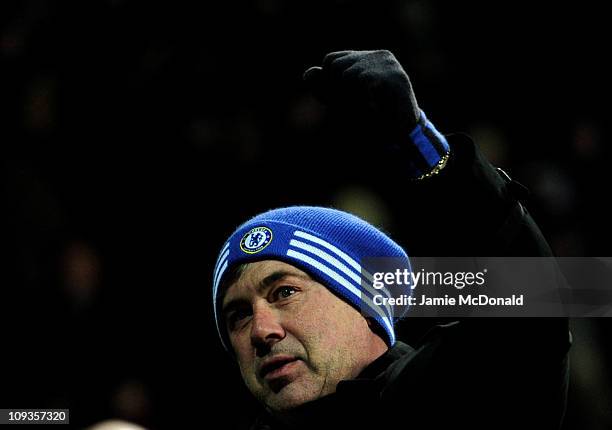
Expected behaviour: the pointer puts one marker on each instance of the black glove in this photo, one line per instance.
(374, 78)
(375, 81)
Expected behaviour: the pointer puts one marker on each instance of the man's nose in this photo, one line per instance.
(266, 327)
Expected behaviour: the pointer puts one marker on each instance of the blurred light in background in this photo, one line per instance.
(492, 142)
(115, 425)
(365, 204)
(131, 401)
(81, 273)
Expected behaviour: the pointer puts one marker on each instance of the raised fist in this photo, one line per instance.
(375, 82)
(372, 79)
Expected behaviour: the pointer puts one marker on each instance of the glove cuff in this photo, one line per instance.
(430, 150)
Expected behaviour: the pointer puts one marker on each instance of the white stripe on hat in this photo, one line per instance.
(338, 265)
(218, 278)
(343, 282)
(215, 287)
(329, 246)
(222, 258)
(222, 255)
(225, 247)
(348, 259)
(325, 256)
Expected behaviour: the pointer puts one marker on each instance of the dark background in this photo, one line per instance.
(136, 136)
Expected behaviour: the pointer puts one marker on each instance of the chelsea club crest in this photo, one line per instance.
(256, 240)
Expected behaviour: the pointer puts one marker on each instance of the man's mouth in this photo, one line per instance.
(276, 366)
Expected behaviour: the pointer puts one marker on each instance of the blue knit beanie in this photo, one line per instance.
(327, 243)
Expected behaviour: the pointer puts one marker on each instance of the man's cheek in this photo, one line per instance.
(248, 374)
(253, 385)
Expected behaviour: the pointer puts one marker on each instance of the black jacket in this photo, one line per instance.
(475, 372)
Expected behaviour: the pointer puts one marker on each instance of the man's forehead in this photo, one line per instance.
(259, 270)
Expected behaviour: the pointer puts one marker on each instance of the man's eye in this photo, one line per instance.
(284, 292)
(236, 316)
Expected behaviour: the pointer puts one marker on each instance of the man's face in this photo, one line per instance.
(293, 338)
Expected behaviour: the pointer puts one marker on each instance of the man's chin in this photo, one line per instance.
(285, 397)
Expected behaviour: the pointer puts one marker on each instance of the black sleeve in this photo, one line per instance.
(496, 371)
(470, 208)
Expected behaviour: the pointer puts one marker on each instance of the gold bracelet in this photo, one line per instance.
(436, 169)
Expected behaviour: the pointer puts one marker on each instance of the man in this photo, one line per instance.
(312, 345)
